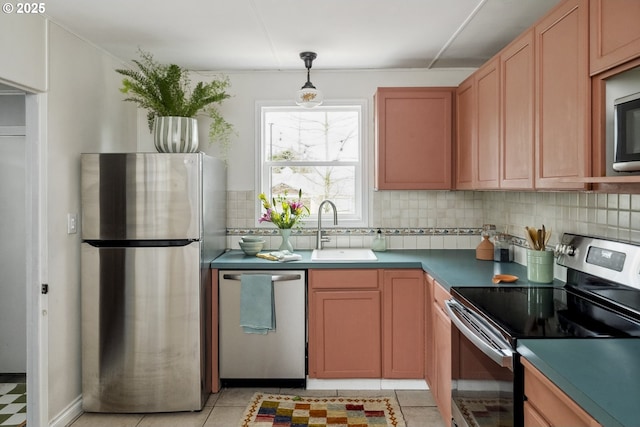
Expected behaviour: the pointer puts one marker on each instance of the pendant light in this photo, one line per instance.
(308, 96)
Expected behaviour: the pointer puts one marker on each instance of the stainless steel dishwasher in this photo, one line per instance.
(277, 358)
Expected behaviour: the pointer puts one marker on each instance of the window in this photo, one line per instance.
(320, 151)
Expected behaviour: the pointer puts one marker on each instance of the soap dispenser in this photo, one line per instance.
(379, 243)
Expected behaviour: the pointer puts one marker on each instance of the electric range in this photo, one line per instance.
(601, 299)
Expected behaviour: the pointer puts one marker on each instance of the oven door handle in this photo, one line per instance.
(481, 334)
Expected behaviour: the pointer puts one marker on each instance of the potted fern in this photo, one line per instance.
(165, 92)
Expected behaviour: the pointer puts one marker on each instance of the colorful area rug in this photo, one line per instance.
(13, 405)
(276, 410)
(486, 412)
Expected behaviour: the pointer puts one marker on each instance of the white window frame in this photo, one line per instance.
(361, 217)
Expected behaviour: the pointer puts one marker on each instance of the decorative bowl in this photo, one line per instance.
(251, 248)
(252, 239)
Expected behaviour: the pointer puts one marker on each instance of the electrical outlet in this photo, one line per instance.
(72, 223)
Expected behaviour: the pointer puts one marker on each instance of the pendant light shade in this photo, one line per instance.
(308, 96)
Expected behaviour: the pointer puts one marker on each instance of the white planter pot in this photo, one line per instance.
(175, 134)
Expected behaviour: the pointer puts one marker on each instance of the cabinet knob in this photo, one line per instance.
(564, 249)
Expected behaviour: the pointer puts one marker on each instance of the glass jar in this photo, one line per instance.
(502, 248)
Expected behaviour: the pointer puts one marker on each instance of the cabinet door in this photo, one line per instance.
(344, 334)
(614, 33)
(429, 331)
(550, 403)
(343, 279)
(212, 339)
(563, 110)
(517, 124)
(532, 418)
(442, 340)
(413, 138)
(488, 126)
(441, 351)
(403, 321)
(466, 135)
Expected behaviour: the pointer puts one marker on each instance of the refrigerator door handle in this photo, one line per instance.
(274, 278)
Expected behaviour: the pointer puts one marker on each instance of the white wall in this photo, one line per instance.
(249, 87)
(85, 114)
(24, 50)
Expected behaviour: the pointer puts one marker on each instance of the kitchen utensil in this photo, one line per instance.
(540, 240)
(506, 278)
(531, 238)
(537, 238)
(547, 237)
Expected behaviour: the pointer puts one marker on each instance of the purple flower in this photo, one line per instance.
(266, 217)
(291, 212)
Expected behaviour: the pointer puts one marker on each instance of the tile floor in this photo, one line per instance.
(224, 409)
(13, 399)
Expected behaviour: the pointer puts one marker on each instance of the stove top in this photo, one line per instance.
(600, 299)
(545, 312)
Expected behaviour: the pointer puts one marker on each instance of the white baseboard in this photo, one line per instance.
(365, 384)
(386, 384)
(68, 414)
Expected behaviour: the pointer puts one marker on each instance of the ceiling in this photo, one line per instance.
(232, 35)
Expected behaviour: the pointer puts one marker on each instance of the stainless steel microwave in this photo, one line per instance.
(626, 133)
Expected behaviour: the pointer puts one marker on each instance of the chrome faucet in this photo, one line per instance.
(319, 239)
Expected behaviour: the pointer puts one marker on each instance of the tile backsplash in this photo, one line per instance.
(453, 219)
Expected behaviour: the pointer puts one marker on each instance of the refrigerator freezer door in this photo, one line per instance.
(142, 329)
(141, 196)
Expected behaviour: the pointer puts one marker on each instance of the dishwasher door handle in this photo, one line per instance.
(274, 277)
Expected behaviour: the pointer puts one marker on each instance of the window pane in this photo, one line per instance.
(336, 183)
(330, 134)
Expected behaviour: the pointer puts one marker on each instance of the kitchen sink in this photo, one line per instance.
(343, 255)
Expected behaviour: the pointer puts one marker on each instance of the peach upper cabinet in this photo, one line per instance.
(563, 97)
(517, 119)
(478, 129)
(523, 119)
(614, 33)
(413, 138)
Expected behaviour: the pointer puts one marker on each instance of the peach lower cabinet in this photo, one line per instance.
(438, 346)
(366, 323)
(546, 405)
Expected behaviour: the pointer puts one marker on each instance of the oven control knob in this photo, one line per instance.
(563, 249)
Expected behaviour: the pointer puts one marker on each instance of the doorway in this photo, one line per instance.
(13, 257)
(21, 337)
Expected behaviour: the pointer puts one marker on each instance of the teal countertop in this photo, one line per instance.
(600, 375)
(448, 266)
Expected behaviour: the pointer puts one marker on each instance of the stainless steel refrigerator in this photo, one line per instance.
(151, 223)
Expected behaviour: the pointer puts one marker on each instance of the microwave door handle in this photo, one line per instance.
(501, 355)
